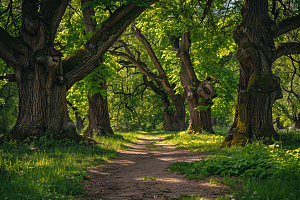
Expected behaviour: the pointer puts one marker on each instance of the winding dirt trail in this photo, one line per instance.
(122, 178)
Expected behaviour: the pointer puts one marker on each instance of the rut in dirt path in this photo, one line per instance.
(122, 178)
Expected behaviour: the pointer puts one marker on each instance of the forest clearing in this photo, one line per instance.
(149, 99)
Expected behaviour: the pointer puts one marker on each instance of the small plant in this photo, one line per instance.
(149, 178)
(231, 182)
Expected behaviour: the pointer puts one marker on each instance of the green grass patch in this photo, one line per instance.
(54, 171)
(195, 142)
(263, 169)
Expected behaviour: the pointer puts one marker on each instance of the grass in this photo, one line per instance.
(267, 171)
(56, 170)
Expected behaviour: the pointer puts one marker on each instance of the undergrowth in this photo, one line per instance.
(270, 172)
(47, 169)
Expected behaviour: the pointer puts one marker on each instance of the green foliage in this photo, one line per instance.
(8, 102)
(253, 161)
(115, 3)
(268, 172)
(231, 182)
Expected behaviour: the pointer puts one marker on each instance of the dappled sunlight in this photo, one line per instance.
(174, 159)
(122, 162)
(170, 180)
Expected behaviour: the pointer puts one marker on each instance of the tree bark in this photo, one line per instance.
(79, 120)
(41, 75)
(174, 121)
(198, 94)
(99, 122)
(258, 87)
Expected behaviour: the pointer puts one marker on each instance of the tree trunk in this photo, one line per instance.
(99, 122)
(42, 77)
(174, 121)
(199, 120)
(258, 87)
(194, 90)
(42, 103)
(98, 106)
(79, 120)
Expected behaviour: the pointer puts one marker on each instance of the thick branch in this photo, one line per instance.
(89, 22)
(151, 84)
(53, 11)
(186, 63)
(7, 47)
(141, 38)
(288, 24)
(81, 63)
(140, 65)
(285, 49)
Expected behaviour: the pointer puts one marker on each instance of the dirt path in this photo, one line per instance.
(123, 177)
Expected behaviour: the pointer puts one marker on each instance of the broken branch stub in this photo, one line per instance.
(206, 90)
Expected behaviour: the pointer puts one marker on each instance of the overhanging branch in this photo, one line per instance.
(7, 47)
(144, 41)
(81, 63)
(141, 66)
(52, 12)
(288, 24)
(285, 49)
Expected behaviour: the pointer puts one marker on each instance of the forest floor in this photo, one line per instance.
(141, 172)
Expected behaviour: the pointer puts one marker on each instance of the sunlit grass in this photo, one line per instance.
(49, 173)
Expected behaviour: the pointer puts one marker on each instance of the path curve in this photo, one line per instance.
(122, 178)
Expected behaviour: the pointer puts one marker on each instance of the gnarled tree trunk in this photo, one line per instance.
(258, 87)
(99, 122)
(198, 94)
(42, 77)
(174, 121)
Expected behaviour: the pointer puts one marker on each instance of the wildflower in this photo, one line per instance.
(291, 194)
(32, 181)
(254, 192)
(6, 197)
(12, 181)
(243, 197)
(252, 196)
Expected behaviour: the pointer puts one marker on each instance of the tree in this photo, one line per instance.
(258, 87)
(202, 48)
(42, 76)
(173, 121)
(199, 94)
(98, 107)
